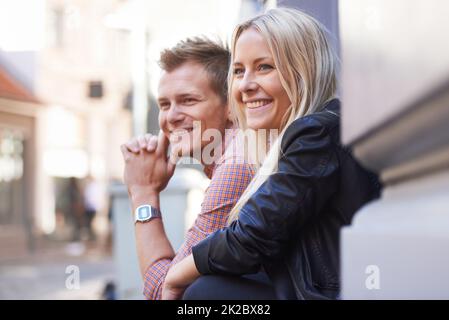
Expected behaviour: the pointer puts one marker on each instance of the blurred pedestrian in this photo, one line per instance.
(92, 203)
(76, 210)
(109, 291)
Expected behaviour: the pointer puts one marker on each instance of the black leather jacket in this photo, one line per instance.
(291, 225)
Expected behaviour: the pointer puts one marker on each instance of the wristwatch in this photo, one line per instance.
(145, 213)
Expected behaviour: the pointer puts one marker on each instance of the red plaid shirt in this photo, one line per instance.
(230, 177)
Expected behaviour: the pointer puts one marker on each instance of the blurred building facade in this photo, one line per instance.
(18, 110)
(79, 73)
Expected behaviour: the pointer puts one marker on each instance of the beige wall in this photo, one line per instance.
(393, 54)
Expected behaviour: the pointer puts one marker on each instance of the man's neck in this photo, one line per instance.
(209, 167)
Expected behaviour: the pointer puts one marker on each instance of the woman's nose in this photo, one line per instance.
(248, 83)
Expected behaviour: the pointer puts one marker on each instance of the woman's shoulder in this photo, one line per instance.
(321, 124)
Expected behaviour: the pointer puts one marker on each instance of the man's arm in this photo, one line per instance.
(228, 183)
(151, 241)
(147, 172)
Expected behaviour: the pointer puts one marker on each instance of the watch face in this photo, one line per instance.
(143, 213)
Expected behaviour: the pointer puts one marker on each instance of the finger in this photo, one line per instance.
(125, 152)
(152, 144)
(133, 145)
(162, 144)
(147, 137)
(142, 142)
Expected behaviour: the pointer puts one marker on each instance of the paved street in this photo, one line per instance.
(55, 275)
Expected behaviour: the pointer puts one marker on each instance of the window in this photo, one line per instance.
(96, 89)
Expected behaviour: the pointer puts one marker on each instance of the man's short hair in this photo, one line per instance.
(214, 56)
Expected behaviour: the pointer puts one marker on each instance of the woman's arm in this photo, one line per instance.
(307, 176)
(179, 277)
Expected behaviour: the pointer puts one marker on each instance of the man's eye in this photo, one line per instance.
(164, 106)
(189, 101)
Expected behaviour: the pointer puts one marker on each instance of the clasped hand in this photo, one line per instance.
(148, 168)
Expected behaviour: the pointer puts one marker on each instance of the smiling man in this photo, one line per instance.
(192, 98)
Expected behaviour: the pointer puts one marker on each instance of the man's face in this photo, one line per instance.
(185, 97)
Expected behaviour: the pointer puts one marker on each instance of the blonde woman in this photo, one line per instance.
(287, 222)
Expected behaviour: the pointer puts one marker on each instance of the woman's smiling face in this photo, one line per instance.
(256, 85)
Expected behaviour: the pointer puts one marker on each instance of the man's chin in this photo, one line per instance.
(182, 151)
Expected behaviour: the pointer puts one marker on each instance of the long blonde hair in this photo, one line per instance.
(306, 64)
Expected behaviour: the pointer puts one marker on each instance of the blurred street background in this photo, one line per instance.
(78, 78)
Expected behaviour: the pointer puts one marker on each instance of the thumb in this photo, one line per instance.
(162, 144)
(172, 161)
(171, 166)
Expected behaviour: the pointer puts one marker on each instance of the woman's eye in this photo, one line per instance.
(265, 67)
(238, 71)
